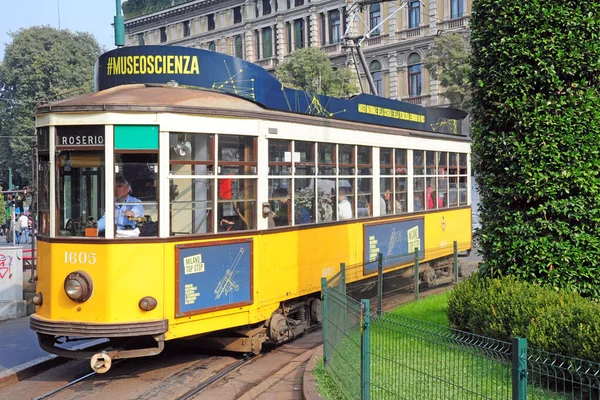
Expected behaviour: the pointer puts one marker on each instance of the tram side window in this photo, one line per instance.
(44, 194)
(191, 184)
(400, 180)
(237, 183)
(457, 179)
(462, 184)
(80, 192)
(280, 200)
(136, 195)
(418, 180)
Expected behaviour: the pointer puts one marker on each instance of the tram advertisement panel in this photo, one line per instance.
(226, 74)
(397, 241)
(212, 277)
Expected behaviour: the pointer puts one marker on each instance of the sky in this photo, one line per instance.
(92, 16)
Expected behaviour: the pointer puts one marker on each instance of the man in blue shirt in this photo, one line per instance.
(126, 206)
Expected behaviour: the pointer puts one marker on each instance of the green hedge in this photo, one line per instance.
(555, 321)
(535, 75)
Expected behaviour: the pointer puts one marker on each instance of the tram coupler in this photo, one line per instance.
(101, 362)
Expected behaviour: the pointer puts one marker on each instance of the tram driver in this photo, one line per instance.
(127, 207)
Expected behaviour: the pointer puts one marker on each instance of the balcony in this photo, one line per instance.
(375, 40)
(457, 23)
(422, 100)
(333, 49)
(267, 63)
(411, 33)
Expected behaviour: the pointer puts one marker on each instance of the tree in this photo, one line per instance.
(40, 65)
(310, 69)
(448, 62)
(536, 124)
(135, 8)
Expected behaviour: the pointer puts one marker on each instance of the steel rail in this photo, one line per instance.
(220, 375)
(76, 381)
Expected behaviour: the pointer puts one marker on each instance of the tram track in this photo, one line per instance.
(190, 394)
(74, 382)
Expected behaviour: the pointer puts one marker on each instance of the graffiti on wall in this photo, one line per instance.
(6, 263)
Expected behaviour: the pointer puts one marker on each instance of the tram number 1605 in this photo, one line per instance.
(73, 257)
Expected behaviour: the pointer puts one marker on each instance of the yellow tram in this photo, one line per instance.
(192, 195)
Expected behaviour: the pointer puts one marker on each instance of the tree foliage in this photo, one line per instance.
(310, 69)
(40, 65)
(536, 124)
(135, 8)
(448, 62)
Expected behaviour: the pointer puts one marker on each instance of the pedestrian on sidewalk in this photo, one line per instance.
(22, 228)
(9, 226)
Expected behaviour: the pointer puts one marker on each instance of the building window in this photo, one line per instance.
(414, 14)
(239, 53)
(288, 4)
(237, 15)
(163, 34)
(414, 75)
(258, 40)
(299, 33)
(186, 28)
(375, 18)
(456, 8)
(289, 37)
(298, 3)
(141, 40)
(211, 22)
(375, 69)
(266, 7)
(323, 30)
(267, 39)
(212, 47)
(334, 26)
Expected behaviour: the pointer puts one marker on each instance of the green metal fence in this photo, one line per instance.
(372, 354)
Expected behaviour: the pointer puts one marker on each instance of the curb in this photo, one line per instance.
(309, 382)
(41, 364)
(274, 379)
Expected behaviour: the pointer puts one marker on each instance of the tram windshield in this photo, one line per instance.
(80, 190)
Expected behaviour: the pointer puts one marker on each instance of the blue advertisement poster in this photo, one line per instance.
(212, 277)
(397, 242)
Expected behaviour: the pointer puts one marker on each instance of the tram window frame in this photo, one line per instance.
(191, 166)
(237, 170)
(280, 182)
(327, 158)
(147, 224)
(43, 197)
(80, 154)
(227, 168)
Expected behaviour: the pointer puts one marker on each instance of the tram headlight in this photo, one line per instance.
(148, 303)
(78, 286)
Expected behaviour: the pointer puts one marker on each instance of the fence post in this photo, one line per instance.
(343, 278)
(519, 368)
(365, 345)
(417, 273)
(380, 283)
(455, 262)
(325, 318)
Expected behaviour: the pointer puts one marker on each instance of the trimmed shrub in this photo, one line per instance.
(536, 122)
(555, 321)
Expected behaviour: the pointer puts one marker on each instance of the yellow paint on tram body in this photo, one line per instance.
(286, 265)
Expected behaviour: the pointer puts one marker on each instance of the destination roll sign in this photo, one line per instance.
(79, 138)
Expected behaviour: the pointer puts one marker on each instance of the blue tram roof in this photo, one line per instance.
(226, 74)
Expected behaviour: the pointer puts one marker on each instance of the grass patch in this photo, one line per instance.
(430, 309)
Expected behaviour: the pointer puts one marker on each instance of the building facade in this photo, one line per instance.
(266, 31)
